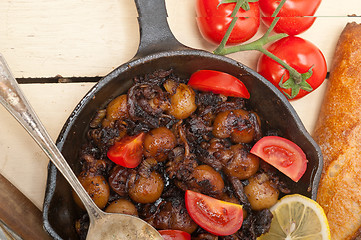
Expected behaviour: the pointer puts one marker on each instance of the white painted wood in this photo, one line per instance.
(44, 38)
(21, 160)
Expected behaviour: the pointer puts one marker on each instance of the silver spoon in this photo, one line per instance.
(102, 225)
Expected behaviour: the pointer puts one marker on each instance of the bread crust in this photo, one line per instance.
(338, 133)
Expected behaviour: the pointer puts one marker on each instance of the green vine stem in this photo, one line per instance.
(222, 45)
(258, 44)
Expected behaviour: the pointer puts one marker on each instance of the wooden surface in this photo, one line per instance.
(45, 38)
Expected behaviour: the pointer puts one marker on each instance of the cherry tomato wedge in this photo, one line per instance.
(128, 151)
(215, 216)
(174, 235)
(283, 154)
(218, 83)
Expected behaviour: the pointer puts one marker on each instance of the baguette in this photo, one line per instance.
(338, 133)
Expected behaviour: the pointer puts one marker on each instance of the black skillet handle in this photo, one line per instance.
(155, 34)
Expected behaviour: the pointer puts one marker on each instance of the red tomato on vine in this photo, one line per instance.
(214, 18)
(301, 55)
(296, 16)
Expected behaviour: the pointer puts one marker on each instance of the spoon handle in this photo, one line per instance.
(12, 98)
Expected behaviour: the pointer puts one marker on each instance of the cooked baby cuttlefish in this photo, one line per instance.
(177, 139)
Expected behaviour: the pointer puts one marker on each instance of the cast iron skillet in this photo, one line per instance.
(158, 48)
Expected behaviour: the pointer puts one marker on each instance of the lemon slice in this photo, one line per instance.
(296, 217)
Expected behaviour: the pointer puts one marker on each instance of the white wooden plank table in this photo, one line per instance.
(77, 38)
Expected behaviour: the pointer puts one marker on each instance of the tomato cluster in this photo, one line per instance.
(214, 18)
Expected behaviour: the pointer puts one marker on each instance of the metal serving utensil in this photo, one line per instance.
(102, 225)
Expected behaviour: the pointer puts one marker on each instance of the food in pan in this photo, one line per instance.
(338, 132)
(180, 159)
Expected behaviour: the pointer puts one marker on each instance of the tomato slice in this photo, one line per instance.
(283, 154)
(128, 151)
(218, 83)
(213, 215)
(169, 234)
